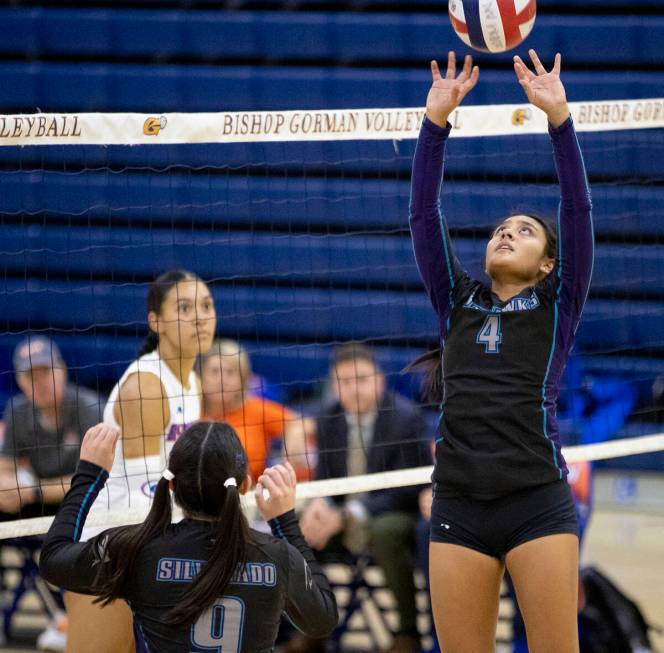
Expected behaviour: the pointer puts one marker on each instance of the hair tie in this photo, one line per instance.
(168, 475)
(230, 481)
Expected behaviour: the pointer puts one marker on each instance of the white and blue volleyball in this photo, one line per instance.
(492, 25)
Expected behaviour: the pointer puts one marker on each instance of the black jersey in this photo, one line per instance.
(502, 361)
(279, 576)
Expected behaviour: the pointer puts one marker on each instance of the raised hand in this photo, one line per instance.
(544, 90)
(98, 445)
(280, 483)
(446, 93)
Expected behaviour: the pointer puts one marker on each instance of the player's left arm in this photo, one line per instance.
(310, 602)
(64, 561)
(575, 229)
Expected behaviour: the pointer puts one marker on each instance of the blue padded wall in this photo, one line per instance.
(287, 282)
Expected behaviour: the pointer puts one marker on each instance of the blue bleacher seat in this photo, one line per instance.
(197, 201)
(315, 314)
(89, 87)
(263, 256)
(342, 36)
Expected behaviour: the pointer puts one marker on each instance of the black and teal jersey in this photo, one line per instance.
(280, 575)
(502, 361)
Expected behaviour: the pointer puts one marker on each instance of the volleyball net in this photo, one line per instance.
(297, 220)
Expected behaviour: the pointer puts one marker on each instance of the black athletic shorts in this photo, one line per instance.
(495, 526)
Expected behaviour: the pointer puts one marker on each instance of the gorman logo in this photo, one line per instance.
(520, 116)
(152, 126)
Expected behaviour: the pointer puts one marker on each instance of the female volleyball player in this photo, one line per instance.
(152, 404)
(500, 494)
(207, 582)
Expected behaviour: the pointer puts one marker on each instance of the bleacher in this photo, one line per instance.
(328, 258)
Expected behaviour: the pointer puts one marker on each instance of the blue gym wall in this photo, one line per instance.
(277, 281)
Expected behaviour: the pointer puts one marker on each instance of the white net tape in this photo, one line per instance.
(323, 125)
(354, 484)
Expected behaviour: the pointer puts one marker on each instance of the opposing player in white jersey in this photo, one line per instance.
(152, 404)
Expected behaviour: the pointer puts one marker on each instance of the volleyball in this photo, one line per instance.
(492, 25)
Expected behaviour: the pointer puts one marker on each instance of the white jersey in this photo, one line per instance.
(132, 481)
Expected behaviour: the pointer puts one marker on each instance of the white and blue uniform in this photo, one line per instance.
(132, 480)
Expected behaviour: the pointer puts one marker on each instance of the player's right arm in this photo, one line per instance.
(143, 412)
(439, 269)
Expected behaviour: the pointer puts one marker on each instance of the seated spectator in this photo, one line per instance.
(368, 429)
(44, 426)
(260, 423)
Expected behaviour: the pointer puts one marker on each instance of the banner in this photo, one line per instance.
(323, 125)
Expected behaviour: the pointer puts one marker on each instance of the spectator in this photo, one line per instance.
(367, 430)
(259, 422)
(44, 426)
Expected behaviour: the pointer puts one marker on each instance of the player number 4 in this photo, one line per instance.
(490, 334)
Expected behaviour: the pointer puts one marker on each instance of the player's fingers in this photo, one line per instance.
(467, 68)
(108, 433)
(556, 63)
(93, 433)
(435, 71)
(451, 65)
(272, 487)
(101, 436)
(474, 76)
(112, 436)
(258, 494)
(291, 473)
(539, 68)
(518, 69)
(284, 474)
(525, 71)
(276, 475)
(96, 429)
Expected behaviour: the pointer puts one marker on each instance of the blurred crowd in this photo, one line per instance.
(357, 425)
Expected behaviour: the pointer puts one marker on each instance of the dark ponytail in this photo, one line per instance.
(431, 365)
(431, 362)
(124, 544)
(202, 459)
(221, 457)
(150, 343)
(157, 292)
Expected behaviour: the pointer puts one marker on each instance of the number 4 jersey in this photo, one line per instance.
(279, 576)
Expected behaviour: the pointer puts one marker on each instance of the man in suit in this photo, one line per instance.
(367, 429)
